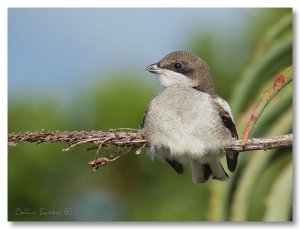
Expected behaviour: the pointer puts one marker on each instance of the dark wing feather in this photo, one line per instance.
(144, 118)
(178, 167)
(232, 155)
(207, 171)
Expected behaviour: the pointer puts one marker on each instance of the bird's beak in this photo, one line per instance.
(153, 68)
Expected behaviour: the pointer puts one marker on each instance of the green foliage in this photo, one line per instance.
(280, 198)
(134, 187)
(246, 194)
(111, 106)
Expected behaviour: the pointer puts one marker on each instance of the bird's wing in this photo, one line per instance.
(144, 117)
(202, 171)
(227, 119)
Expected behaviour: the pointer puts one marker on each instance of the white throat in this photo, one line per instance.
(167, 78)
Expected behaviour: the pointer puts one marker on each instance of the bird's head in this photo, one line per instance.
(184, 68)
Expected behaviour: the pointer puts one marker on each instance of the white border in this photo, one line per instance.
(4, 4)
(3, 112)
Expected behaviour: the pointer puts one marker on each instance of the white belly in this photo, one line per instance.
(186, 123)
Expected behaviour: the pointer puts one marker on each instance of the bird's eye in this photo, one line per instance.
(177, 66)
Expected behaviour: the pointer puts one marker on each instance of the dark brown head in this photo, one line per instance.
(183, 67)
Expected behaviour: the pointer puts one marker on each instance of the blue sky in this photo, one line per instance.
(60, 51)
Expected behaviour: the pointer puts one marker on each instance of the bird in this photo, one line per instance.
(187, 122)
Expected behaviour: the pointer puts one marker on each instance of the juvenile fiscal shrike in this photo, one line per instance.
(187, 121)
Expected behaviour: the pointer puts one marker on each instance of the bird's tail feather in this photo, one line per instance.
(232, 158)
(202, 171)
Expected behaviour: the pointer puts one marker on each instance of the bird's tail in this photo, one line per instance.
(202, 171)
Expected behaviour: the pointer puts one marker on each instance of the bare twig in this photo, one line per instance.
(132, 139)
(281, 80)
(282, 141)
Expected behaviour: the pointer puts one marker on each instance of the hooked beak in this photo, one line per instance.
(153, 68)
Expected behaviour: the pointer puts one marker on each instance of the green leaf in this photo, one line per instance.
(279, 201)
(251, 172)
(253, 73)
(281, 80)
(265, 181)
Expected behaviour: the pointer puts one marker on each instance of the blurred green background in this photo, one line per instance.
(45, 183)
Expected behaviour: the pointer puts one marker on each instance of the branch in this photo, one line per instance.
(128, 138)
(133, 139)
(282, 141)
(119, 138)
